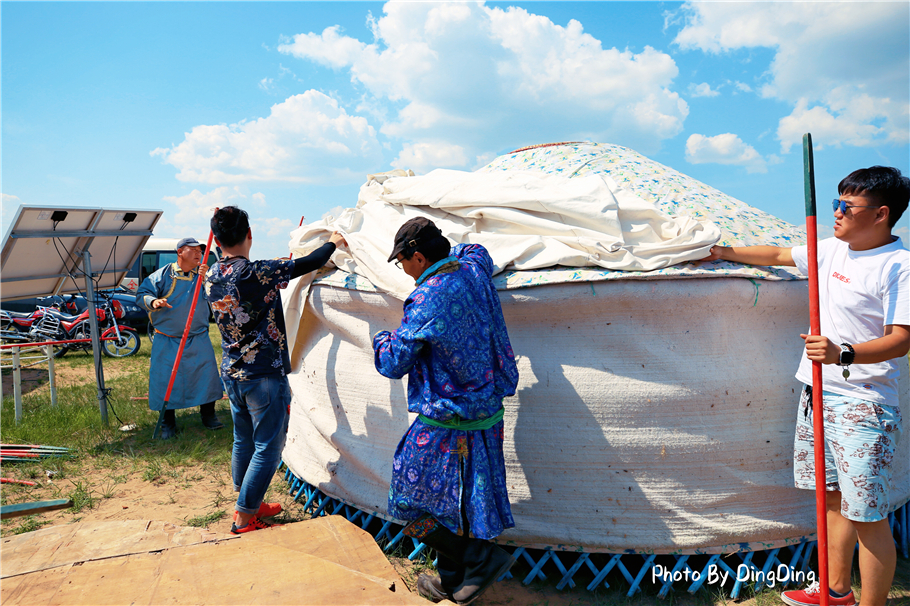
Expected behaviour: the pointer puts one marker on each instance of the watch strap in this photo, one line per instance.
(847, 355)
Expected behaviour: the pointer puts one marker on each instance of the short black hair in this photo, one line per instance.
(883, 184)
(230, 225)
(435, 249)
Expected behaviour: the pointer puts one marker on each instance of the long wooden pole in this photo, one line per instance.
(186, 332)
(818, 417)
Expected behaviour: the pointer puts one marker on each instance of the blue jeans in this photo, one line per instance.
(259, 408)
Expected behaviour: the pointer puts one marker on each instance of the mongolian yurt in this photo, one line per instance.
(656, 404)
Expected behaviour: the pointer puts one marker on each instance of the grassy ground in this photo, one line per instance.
(189, 477)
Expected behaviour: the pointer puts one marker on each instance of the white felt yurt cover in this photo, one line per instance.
(656, 403)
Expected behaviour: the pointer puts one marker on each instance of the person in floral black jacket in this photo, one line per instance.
(255, 363)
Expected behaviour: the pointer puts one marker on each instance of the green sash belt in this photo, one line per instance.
(462, 425)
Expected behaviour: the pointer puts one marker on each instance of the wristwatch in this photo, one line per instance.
(847, 354)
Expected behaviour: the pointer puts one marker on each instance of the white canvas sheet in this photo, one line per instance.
(527, 220)
(639, 423)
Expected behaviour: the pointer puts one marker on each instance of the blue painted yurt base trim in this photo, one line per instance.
(756, 569)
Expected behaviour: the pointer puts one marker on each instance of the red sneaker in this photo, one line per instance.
(810, 596)
(254, 524)
(266, 510)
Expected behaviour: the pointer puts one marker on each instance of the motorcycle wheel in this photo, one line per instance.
(127, 345)
(60, 351)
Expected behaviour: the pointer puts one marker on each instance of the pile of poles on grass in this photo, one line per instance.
(17, 453)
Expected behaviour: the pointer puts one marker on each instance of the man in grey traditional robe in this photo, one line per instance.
(167, 294)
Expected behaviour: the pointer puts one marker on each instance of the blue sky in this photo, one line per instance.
(283, 108)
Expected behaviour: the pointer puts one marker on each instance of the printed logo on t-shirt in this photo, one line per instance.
(842, 278)
(867, 385)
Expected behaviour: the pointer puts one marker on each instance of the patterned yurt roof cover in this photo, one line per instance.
(669, 190)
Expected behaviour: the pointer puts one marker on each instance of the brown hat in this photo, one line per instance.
(413, 232)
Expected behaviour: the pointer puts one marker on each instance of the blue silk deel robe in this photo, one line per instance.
(454, 347)
(197, 381)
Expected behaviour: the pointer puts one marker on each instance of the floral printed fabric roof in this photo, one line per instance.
(671, 191)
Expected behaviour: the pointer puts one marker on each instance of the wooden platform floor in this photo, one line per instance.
(322, 561)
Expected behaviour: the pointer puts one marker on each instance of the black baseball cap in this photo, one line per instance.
(413, 232)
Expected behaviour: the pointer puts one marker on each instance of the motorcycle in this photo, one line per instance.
(52, 324)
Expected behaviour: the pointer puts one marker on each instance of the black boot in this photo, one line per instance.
(209, 418)
(430, 587)
(482, 561)
(169, 425)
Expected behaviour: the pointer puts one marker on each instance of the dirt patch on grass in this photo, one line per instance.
(36, 379)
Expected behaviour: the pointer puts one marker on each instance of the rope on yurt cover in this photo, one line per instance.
(758, 570)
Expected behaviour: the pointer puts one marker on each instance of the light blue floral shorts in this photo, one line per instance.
(860, 438)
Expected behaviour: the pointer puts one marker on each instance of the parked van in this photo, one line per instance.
(156, 253)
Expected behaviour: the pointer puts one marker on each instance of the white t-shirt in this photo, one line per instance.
(860, 292)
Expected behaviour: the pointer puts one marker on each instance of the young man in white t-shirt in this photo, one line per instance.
(864, 296)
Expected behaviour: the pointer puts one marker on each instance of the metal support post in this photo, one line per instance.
(96, 342)
(17, 384)
(51, 375)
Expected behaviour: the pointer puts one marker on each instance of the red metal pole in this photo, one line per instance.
(12, 481)
(818, 417)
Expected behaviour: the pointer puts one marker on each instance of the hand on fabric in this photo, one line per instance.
(337, 239)
(715, 253)
(159, 303)
(821, 349)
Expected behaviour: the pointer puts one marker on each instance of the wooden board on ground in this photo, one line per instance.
(82, 542)
(335, 539)
(323, 561)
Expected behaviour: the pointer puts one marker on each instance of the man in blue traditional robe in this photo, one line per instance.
(167, 295)
(448, 475)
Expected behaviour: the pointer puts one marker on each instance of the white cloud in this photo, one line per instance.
(305, 139)
(267, 84)
(194, 211)
(475, 76)
(425, 156)
(702, 90)
(842, 65)
(827, 128)
(742, 86)
(724, 149)
(273, 229)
